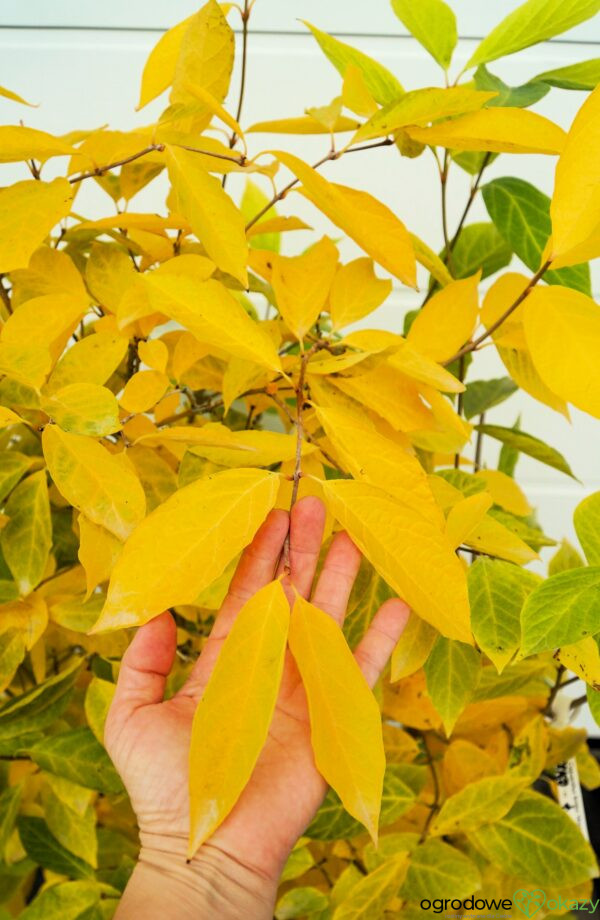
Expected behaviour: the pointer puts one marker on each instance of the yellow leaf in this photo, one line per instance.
(159, 69)
(143, 390)
(94, 481)
(391, 394)
(464, 517)
(91, 360)
(83, 408)
(276, 225)
(366, 220)
(206, 55)
(562, 328)
(27, 538)
(301, 284)
(212, 434)
(482, 802)
(493, 538)
(98, 552)
(450, 432)
(109, 272)
(344, 716)
(420, 107)
(29, 616)
(499, 130)
(583, 658)
(528, 755)
(411, 362)
(356, 291)
(584, 252)
(372, 893)
(447, 320)
(45, 321)
(50, 271)
(432, 262)
(208, 523)
(505, 492)
(8, 94)
(303, 124)
(408, 702)
(20, 143)
(154, 353)
(510, 338)
(250, 448)
(214, 218)
(249, 666)
(465, 763)
(213, 106)
(408, 551)
(377, 460)
(413, 647)
(575, 206)
(213, 316)
(8, 417)
(355, 92)
(29, 210)
(28, 364)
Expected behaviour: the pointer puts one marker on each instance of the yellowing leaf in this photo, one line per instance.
(505, 492)
(98, 552)
(301, 284)
(355, 92)
(413, 647)
(159, 69)
(377, 460)
(408, 551)
(29, 210)
(20, 143)
(98, 698)
(91, 360)
(303, 124)
(109, 273)
(356, 291)
(28, 364)
(344, 716)
(213, 316)
(491, 537)
(27, 538)
(447, 320)
(464, 516)
(143, 390)
(366, 220)
(500, 130)
(214, 218)
(154, 353)
(389, 393)
(452, 672)
(8, 417)
(420, 107)
(433, 24)
(45, 321)
(94, 481)
(482, 802)
(83, 408)
(586, 520)
(248, 448)
(208, 523)
(562, 328)
(412, 363)
(206, 54)
(370, 895)
(249, 665)
(465, 763)
(583, 658)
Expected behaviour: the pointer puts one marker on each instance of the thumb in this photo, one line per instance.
(145, 667)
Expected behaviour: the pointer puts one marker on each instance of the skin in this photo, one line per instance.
(236, 872)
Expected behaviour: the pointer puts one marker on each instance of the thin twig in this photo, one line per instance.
(479, 444)
(238, 160)
(555, 689)
(470, 200)
(444, 187)
(299, 439)
(474, 345)
(436, 791)
(459, 404)
(100, 170)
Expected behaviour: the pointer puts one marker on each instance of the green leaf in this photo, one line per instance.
(389, 845)
(497, 592)
(452, 671)
(41, 846)
(483, 802)
(532, 536)
(383, 85)
(583, 75)
(401, 786)
(586, 519)
(522, 215)
(479, 246)
(565, 558)
(37, 708)
(368, 594)
(562, 610)
(369, 897)
(27, 538)
(509, 456)
(593, 698)
(537, 841)
(532, 22)
(77, 756)
(13, 466)
(482, 395)
(432, 23)
(71, 816)
(473, 161)
(513, 96)
(65, 901)
(437, 870)
(10, 802)
(298, 862)
(526, 678)
(527, 444)
(84, 408)
(466, 483)
(300, 902)
(12, 653)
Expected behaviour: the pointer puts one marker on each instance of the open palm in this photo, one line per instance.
(148, 738)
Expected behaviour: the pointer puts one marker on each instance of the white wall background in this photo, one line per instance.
(81, 61)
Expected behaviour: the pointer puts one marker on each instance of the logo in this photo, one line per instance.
(529, 902)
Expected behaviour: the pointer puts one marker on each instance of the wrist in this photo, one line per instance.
(212, 884)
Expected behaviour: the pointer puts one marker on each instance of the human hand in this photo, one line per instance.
(237, 869)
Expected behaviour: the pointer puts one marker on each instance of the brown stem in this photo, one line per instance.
(555, 689)
(444, 187)
(470, 200)
(245, 19)
(100, 170)
(239, 160)
(436, 791)
(459, 404)
(299, 438)
(474, 345)
(307, 437)
(479, 444)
